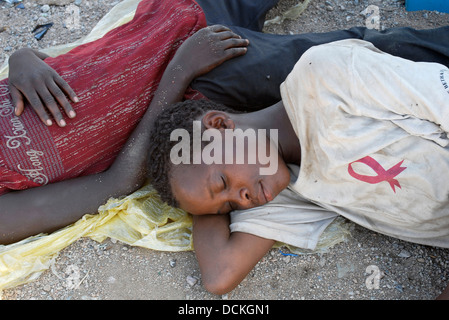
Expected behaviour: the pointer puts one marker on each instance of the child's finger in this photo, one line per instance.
(218, 28)
(50, 103)
(66, 88)
(227, 35)
(235, 43)
(235, 52)
(39, 108)
(57, 93)
(17, 100)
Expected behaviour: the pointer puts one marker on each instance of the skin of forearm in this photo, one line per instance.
(171, 89)
(51, 207)
(225, 258)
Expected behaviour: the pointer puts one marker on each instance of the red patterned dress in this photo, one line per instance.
(115, 78)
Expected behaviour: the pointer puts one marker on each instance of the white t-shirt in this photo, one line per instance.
(373, 134)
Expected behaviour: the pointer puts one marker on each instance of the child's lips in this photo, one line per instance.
(266, 193)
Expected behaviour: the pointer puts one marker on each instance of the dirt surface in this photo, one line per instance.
(88, 270)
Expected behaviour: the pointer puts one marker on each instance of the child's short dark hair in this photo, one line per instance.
(178, 116)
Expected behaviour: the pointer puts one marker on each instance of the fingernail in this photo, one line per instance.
(48, 122)
(62, 123)
(76, 99)
(72, 114)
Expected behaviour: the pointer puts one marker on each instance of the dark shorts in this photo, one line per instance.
(252, 81)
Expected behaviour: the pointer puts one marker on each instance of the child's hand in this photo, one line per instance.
(31, 78)
(207, 49)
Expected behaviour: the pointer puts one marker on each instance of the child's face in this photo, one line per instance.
(221, 188)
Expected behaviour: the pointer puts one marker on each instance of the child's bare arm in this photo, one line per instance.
(225, 258)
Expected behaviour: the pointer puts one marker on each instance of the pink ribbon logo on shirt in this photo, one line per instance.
(382, 174)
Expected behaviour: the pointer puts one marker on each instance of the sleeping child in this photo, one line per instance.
(359, 133)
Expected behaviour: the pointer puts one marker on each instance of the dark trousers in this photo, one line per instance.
(252, 81)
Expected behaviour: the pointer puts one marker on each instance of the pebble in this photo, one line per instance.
(45, 8)
(404, 254)
(191, 280)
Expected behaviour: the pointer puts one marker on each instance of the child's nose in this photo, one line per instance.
(244, 199)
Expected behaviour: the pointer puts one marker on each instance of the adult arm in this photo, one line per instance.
(225, 258)
(48, 208)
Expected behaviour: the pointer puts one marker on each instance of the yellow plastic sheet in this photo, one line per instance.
(140, 219)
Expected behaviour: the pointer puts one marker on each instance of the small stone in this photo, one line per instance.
(172, 263)
(45, 8)
(54, 2)
(322, 262)
(404, 254)
(191, 280)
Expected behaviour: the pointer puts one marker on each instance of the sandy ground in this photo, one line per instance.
(88, 270)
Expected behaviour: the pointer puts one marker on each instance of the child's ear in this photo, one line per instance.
(217, 120)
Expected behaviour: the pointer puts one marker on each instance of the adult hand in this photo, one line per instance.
(32, 79)
(207, 49)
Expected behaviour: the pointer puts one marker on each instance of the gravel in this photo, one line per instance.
(368, 266)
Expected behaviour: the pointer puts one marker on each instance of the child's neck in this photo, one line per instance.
(275, 117)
